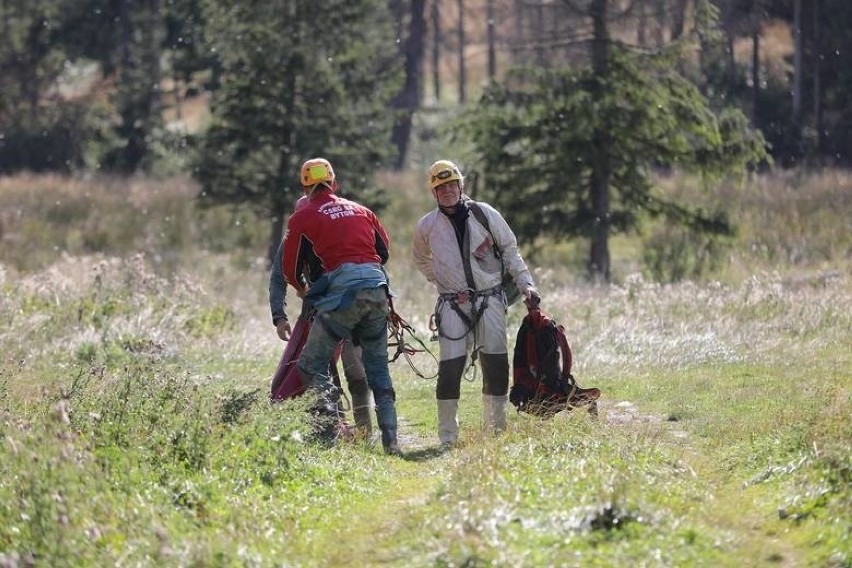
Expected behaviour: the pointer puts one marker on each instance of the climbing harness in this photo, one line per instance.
(478, 299)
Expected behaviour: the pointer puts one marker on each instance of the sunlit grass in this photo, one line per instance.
(135, 428)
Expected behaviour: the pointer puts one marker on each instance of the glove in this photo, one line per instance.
(533, 298)
(283, 329)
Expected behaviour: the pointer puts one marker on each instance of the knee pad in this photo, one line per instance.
(382, 395)
(357, 387)
(495, 373)
(449, 378)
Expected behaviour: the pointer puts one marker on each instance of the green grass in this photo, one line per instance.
(135, 429)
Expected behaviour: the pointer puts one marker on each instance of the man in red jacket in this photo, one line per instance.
(350, 354)
(350, 244)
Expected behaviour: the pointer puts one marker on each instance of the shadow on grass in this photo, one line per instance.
(423, 454)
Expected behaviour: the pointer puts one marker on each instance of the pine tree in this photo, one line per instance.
(570, 153)
(300, 79)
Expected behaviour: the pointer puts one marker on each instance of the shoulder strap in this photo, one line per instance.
(479, 214)
(520, 358)
(567, 358)
(532, 353)
(483, 220)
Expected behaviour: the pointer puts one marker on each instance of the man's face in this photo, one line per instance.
(448, 194)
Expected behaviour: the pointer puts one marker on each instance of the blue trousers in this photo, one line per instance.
(364, 321)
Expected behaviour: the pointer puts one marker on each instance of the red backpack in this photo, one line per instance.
(542, 383)
(287, 382)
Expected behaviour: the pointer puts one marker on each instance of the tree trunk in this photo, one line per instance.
(408, 99)
(730, 37)
(678, 18)
(755, 71)
(131, 129)
(642, 25)
(519, 39)
(396, 8)
(797, 63)
(599, 259)
(139, 88)
(153, 42)
(539, 35)
(30, 84)
(282, 203)
(125, 8)
(817, 55)
(462, 70)
(492, 52)
(436, 50)
(660, 29)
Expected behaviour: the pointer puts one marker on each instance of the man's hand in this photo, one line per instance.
(283, 329)
(532, 297)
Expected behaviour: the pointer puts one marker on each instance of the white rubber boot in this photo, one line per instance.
(448, 422)
(494, 412)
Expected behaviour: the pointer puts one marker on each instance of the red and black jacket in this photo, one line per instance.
(328, 232)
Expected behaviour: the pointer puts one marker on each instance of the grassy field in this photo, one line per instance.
(137, 351)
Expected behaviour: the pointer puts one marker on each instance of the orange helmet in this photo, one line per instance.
(316, 171)
(444, 171)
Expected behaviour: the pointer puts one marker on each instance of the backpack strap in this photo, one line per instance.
(523, 383)
(480, 215)
(567, 356)
(510, 287)
(549, 378)
(465, 255)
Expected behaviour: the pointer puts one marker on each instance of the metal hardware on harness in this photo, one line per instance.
(456, 299)
(460, 298)
(433, 327)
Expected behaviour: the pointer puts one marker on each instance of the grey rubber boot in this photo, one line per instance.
(448, 422)
(356, 377)
(495, 385)
(494, 412)
(361, 406)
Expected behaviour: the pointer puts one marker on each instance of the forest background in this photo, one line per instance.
(568, 109)
(677, 174)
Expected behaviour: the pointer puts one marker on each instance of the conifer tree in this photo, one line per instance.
(299, 79)
(571, 152)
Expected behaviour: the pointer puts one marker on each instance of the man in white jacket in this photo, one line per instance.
(456, 252)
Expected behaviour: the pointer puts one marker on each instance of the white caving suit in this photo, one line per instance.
(438, 255)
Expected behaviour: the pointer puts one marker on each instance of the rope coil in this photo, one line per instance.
(397, 328)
